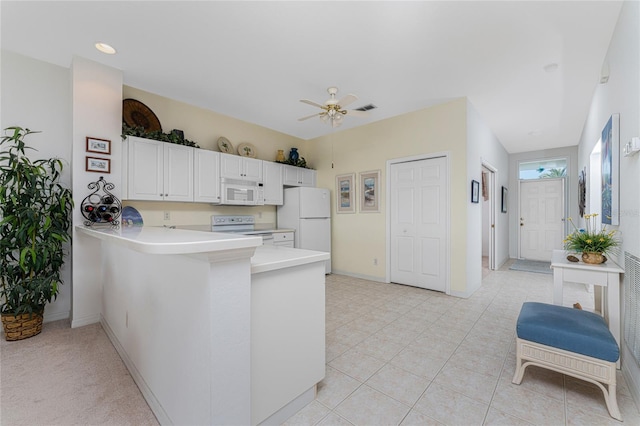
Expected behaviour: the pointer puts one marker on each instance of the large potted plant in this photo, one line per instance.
(35, 219)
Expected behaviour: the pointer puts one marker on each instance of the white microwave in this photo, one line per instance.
(241, 193)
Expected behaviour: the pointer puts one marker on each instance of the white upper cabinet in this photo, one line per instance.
(298, 176)
(159, 170)
(273, 190)
(241, 168)
(206, 179)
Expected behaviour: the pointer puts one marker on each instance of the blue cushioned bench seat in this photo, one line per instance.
(573, 330)
(569, 341)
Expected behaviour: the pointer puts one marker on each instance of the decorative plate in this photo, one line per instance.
(137, 114)
(224, 145)
(247, 150)
(131, 217)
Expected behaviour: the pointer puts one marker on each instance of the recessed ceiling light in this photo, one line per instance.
(105, 48)
(550, 67)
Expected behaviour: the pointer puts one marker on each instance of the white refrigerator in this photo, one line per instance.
(308, 211)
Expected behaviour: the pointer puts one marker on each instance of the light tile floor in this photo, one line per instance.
(402, 355)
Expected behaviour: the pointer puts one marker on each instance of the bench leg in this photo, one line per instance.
(520, 367)
(612, 402)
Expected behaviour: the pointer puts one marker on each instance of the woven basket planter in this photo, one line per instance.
(22, 326)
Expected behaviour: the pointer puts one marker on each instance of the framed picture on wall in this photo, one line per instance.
(370, 192)
(505, 196)
(345, 193)
(475, 191)
(100, 146)
(98, 165)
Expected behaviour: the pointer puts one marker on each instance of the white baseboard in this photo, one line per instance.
(361, 276)
(148, 395)
(56, 316)
(81, 322)
(291, 408)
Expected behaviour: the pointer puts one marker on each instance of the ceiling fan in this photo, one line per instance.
(333, 109)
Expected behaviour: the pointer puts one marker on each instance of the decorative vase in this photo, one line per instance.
(21, 326)
(593, 258)
(280, 156)
(293, 154)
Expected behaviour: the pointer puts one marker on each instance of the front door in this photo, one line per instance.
(541, 218)
(418, 223)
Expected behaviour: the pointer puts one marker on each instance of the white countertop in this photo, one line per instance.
(259, 229)
(271, 258)
(160, 240)
(157, 240)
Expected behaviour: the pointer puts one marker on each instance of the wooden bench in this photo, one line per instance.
(570, 341)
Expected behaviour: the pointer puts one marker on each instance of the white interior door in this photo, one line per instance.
(418, 223)
(541, 218)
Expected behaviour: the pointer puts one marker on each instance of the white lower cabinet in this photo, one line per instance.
(283, 239)
(159, 171)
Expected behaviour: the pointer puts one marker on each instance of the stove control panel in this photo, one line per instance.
(232, 220)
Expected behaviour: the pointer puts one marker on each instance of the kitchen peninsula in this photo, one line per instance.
(214, 328)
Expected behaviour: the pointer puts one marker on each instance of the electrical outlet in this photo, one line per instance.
(167, 215)
(375, 261)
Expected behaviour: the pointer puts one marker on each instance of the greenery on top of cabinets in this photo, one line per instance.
(300, 162)
(157, 135)
(35, 212)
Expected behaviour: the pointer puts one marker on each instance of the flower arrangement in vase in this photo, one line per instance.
(591, 242)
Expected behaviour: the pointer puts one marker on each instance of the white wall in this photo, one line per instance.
(621, 94)
(37, 95)
(97, 112)
(358, 239)
(571, 194)
(483, 146)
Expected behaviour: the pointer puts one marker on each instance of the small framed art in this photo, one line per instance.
(475, 191)
(370, 191)
(100, 146)
(345, 193)
(98, 165)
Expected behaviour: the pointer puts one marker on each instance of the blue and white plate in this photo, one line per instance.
(131, 217)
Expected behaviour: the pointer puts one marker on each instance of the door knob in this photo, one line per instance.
(521, 224)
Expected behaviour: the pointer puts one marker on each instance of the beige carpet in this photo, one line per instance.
(68, 376)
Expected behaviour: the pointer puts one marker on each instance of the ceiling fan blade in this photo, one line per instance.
(306, 101)
(309, 116)
(356, 113)
(347, 100)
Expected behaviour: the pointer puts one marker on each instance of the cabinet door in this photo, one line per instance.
(231, 166)
(283, 239)
(273, 191)
(307, 177)
(145, 169)
(206, 181)
(252, 169)
(290, 177)
(178, 172)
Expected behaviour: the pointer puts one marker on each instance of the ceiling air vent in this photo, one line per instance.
(366, 107)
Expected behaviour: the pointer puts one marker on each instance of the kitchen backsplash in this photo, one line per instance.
(153, 213)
